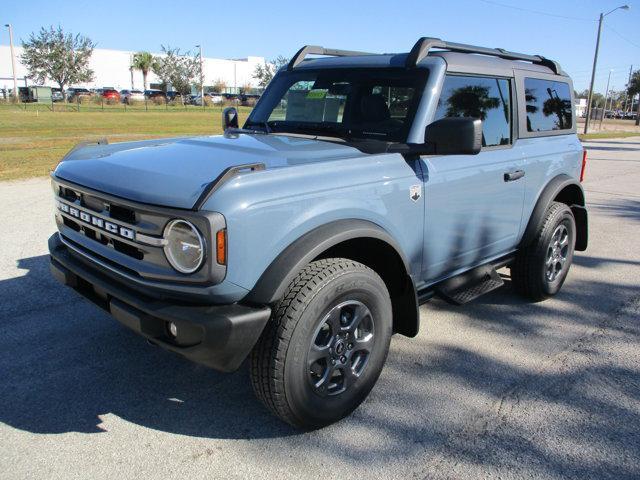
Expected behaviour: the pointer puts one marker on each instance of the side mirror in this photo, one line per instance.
(229, 118)
(455, 136)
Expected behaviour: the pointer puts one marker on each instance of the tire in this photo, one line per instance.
(540, 268)
(308, 324)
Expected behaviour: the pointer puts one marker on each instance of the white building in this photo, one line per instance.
(111, 69)
(581, 107)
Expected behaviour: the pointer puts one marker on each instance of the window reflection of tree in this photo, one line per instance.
(475, 101)
(554, 105)
(471, 101)
(531, 108)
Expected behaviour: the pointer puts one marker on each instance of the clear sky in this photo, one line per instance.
(564, 30)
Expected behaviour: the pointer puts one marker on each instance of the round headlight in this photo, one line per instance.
(185, 247)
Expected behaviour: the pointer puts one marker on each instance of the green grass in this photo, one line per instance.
(613, 134)
(34, 140)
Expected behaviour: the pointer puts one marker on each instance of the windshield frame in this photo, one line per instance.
(283, 80)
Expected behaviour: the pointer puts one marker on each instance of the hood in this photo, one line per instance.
(174, 172)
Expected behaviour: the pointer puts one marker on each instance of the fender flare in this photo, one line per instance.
(549, 193)
(273, 282)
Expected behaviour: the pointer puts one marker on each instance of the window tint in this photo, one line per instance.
(548, 105)
(485, 98)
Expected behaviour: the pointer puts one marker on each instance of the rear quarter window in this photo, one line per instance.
(548, 105)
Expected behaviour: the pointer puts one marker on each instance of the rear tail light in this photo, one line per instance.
(221, 247)
(584, 164)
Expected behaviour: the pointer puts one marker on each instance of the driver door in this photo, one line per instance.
(473, 203)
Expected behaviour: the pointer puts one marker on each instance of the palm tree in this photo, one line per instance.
(143, 61)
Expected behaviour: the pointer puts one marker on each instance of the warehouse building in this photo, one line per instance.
(111, 69)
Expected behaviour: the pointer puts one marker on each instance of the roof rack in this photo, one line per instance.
(422, 47)
(316, 50)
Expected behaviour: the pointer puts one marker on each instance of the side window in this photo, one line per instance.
(479, 97)
(548, 105)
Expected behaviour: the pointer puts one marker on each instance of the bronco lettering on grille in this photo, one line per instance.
(97, 221)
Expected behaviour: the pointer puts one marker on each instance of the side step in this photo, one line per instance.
(469, 285)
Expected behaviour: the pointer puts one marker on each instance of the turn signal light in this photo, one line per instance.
(584, 164)
(221, 247)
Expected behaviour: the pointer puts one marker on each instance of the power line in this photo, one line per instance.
(538, 12)
(622, 36)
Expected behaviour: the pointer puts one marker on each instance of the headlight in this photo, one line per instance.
(185, 246)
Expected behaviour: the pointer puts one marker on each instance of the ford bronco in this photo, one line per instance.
(359, 187)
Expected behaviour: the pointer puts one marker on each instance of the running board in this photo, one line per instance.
(470, 285)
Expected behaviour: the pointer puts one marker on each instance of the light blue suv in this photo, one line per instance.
(360, 186)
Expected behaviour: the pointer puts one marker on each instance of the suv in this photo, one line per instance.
(360, 186)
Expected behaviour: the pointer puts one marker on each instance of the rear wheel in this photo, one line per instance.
(325, 345)
(541, 268)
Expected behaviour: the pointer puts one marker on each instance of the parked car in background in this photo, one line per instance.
(176, 97)
(153, 93)
(110, 94)
(128, 96)
(74, 93)
(23, 94)
(197, 99)
(56, 95)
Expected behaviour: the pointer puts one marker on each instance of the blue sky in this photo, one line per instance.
(564, 30)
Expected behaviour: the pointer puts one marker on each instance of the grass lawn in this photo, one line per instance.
(32, 141)
(607, 134)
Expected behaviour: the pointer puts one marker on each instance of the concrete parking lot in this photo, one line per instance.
(495, 389)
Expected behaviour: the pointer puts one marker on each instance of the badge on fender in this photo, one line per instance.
(415, 192)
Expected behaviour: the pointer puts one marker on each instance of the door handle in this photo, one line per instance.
(515, 175)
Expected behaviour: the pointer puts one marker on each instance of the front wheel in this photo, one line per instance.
(325, 345)
(541, 268)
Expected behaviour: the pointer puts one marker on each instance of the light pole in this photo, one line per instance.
(13, 60)
(201, 77)
(595, 62)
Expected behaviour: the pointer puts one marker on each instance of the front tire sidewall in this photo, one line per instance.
(305, 402)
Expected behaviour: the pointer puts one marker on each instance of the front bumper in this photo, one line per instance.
(217, 336)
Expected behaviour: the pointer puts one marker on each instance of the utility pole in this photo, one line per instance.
(606, 97)
(201, 77)
(626, 91)
(595, 63)
(13, 61)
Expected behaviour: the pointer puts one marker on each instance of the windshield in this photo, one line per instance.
(355, 103)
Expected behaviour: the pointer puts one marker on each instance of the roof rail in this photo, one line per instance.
(422, 47)
(316, 50)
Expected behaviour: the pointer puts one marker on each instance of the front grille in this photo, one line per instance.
(128, 235)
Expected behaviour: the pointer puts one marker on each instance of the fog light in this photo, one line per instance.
(173, 330)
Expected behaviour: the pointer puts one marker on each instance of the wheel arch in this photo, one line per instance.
(563, 189)
(359, 240)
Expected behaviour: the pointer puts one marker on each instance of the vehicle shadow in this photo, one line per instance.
(67, 367)
(65, 363)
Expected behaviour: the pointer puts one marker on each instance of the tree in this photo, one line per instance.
(143, 61)
(633, 89)
(219, 86)
(179, 70)
(58, 56)
(265, 72)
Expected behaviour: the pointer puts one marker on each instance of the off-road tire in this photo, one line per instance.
(279, 361)
(529, 269)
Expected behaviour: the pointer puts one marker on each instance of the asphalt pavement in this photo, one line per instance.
(497, 388)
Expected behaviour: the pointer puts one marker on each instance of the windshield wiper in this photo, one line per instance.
(264, 125)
